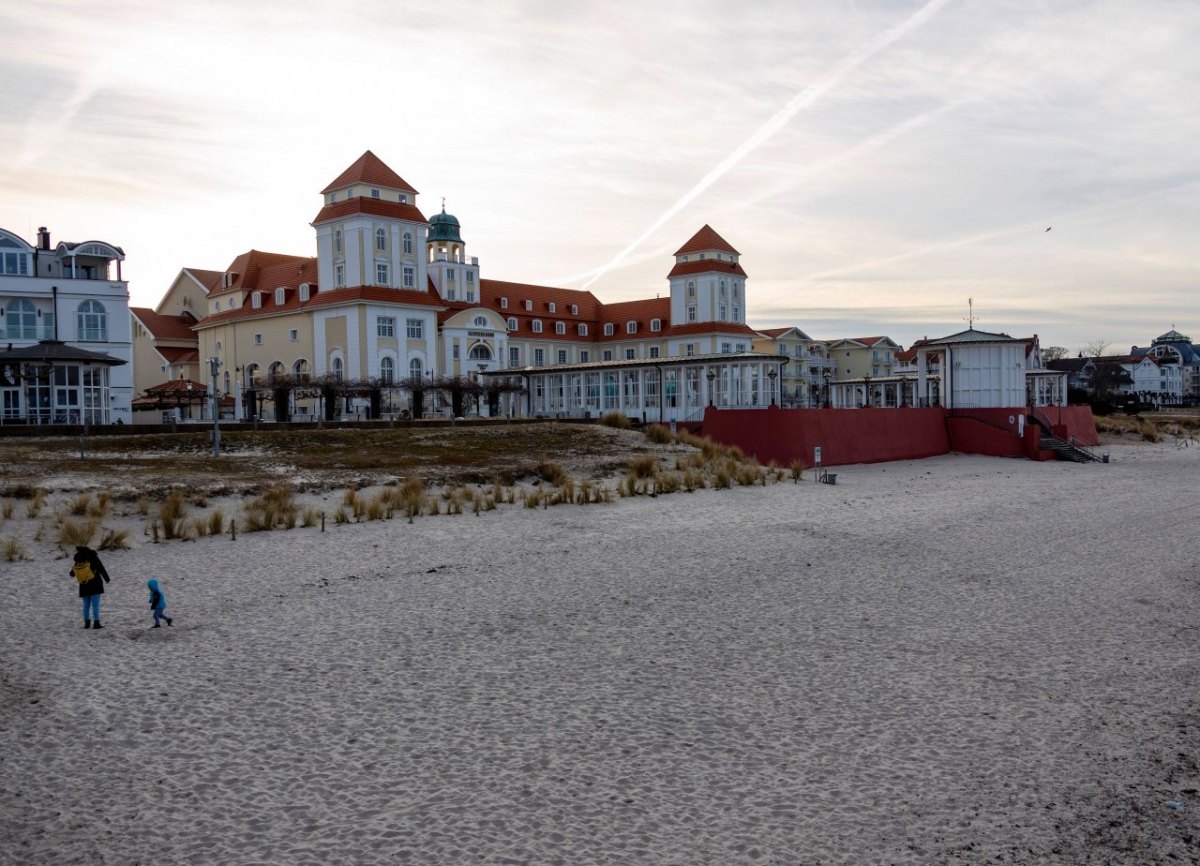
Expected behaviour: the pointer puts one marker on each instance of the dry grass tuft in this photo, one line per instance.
(658, 434)
(6, 509)
(171, 514)
(275, 507)
(36, 502)
(115, 539)
(80, 505)
(12, 550)
(311, 516)
(551, 472)
(616, 419)
(76, 533)
(797, 468)
(643, 467)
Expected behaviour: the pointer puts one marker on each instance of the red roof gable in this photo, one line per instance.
(706, 239)
(372, 206)
(369, 168)
(209, 279)
(175, 355)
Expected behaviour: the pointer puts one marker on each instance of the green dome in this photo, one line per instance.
(444, 228)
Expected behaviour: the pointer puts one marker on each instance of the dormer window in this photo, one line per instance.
(631, 327)
(551, 306)
(537, 326)
(574, 309)
(560, 327)
(608, 329)
(304, 290)
(280, 297)
(512, 323)
(256, 300)
(656, 325)
(582, 329)
(504, 303)
(402, 198)
(700, 257)
(529, 305)
(374, 193)
(683, 258)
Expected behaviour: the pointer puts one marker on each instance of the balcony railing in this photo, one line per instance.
(41, 332)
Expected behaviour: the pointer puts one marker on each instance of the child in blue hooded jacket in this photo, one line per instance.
(158, 603)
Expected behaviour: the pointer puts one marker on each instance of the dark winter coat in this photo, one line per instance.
(95, 586)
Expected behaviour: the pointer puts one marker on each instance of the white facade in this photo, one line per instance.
(980, 370)
(71, 293)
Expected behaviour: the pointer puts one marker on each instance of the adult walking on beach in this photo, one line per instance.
(90, 574)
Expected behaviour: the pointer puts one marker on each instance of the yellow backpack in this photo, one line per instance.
(82, 571)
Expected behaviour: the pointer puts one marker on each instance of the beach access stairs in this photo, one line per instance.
(1072, 451)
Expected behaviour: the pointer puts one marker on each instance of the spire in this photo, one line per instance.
(706, 239)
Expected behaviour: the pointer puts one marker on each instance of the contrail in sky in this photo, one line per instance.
(799, 102)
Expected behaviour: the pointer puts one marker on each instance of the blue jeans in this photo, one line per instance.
(91, 603)
(159, 613)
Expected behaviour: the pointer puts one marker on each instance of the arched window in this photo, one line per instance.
(225, 389)
(512, 324)
(20, 319)
(608, 329)
(560, 327)
(387, 370)
(480, 321)
(380, 240)
(480, 352)
(691, 289)
(337, 368)
(537, 326)
(337, 240)
(93, 322)
(416, 368)
(275, 371)
(251, 375)
(583, 331)
(408, 243)
(300, 370)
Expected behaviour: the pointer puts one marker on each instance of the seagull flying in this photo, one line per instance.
(1048, 229)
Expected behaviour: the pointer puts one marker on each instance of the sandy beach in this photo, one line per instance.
(953, 660)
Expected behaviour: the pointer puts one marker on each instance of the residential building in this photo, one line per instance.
(801, 377)
(64, 319)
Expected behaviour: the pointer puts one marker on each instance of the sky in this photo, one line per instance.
(883, 166)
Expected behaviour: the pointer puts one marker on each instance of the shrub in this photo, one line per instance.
(276, 506)
(797, 468)
(80, 505)
(722, 479)
(311, 516)
(216, 522)
(340, 516)
(616, 419)
(658, 434)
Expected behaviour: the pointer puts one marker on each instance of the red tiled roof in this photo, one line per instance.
(369, 168)
(178, 355)
(165, 327)
(347, 295)
(372, 206)
(619, 315)
(704, 240)
(705, 266)
(178, 386)
(709, 328)
(249, 266)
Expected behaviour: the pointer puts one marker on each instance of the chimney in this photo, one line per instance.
(43, 238)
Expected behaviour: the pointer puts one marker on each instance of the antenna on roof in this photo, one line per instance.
(970, 319)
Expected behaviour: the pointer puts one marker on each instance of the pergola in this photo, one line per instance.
(177, 394)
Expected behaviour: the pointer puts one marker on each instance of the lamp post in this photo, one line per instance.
(867, 390)
(482, 369)
(214, 367)
(771, 374)
(826, 376)
(710, 376)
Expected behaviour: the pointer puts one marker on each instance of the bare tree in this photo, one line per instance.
(1095, 349)
(1053, 353)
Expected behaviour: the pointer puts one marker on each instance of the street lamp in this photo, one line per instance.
(710, 376)
(771, 374)
(826, 376)
(214, 366)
